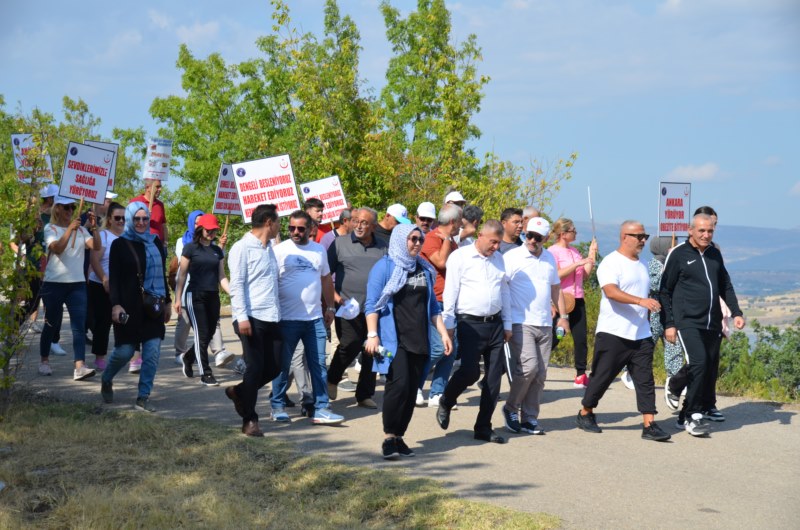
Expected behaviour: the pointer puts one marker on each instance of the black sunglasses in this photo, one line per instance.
(426, 219)
(640, 237)
(416, 239)
(118, 217)
(301, 229)
(68, 206)
(141, 219)
(536, 236)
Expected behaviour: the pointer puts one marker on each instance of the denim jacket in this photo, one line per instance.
(378, 277)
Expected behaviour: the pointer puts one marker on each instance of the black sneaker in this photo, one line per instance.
(390, 450)
(713, 415)
(512, 420)
(209, 380)
(403, 449)
(531, 427)
(107, 391)
(680, 423)
(588, 423)
(187, 366)
(143, 404)
(654, 432)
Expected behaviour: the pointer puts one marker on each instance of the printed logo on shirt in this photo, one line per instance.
(417, 280)
(690, 262)
(295, 263)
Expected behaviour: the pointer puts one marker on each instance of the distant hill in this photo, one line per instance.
(761, 261)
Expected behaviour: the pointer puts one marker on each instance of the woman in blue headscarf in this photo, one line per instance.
(137, 271)
(399, 305)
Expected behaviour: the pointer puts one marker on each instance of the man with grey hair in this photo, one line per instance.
(623, 336)
(528, 213)
(692, 283)
(350, 259)
(437, 248)
(477, 308)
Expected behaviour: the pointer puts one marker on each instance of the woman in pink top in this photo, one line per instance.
(574, 269)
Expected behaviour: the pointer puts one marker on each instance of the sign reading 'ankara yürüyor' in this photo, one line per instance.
(674, 200)
(266, 181)
(86, 171)
(226, 200)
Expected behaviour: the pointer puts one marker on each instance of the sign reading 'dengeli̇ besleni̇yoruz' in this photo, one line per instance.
(674, 208)
(329, 191)
(156, 161)
(108, 146)
(21, 144)
(266, 181)
(85, 174)
(226, 200)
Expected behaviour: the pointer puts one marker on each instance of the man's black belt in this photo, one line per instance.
(473, 318)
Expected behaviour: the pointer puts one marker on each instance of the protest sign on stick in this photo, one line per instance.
(226, 199)
(85, 175)
(674, 207)
(112, 174)
(157, 159)
(23, 146)
(329, 191)
(266, 181)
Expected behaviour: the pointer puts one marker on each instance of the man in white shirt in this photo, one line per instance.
(255, 312)
(476, 301)
(534, 285)
(623, 332)
(304, 278)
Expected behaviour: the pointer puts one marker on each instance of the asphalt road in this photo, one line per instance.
(745, 475)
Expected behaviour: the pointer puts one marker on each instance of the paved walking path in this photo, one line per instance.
(745, 475)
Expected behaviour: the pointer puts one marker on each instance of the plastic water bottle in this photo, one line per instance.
(560, 332)
(383, 353)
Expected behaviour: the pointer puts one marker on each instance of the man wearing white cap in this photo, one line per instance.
(534, 284)
(426, 215)
(395, 214)
(456, 198)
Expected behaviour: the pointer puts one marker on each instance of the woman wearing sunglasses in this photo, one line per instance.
(136, 268)
(574, 270)
(399, 305)
(64, 282)
(202, 261)
(99, 302)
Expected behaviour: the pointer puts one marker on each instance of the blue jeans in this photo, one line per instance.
(55, 295)
(151, 353)
(312, 334)
(443, 363)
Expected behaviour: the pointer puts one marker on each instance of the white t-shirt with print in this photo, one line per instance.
(299, 285)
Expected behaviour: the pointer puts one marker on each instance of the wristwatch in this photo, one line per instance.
(372, 334)
(330, 309)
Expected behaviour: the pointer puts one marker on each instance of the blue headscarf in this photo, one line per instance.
(188, 236)
(153, 280)
(404, 263)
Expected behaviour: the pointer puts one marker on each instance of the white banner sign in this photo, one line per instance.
(156, 161)
(226, 200)
(674, 208)
(329, 191)
(114, 148)
(266, 181)
(85, 174)
(21, 144)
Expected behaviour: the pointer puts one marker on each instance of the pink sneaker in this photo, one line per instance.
(100, 363)
(582, 381)
(135, 366)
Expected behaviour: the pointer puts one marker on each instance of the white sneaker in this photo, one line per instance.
(82, 373)
(697, 426)
(433, 401)
(44, 369)
(420, 398)
(626, 380)
(55, 349)
(357, 367)
(223, 358)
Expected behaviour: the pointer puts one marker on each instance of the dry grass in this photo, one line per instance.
(71, 465)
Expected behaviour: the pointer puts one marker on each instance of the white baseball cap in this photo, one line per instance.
(426, 209)
(454, 196)
(111, 195)
(399, 212)
(64, 200)
(539, 225)
(51, 190)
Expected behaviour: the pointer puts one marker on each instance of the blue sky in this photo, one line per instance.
(704, 91)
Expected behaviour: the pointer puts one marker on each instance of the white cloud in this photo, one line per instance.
(121, 44)
(772, 160)
(795, 189)
(198, 32)
(159, 19)
(692, 173)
